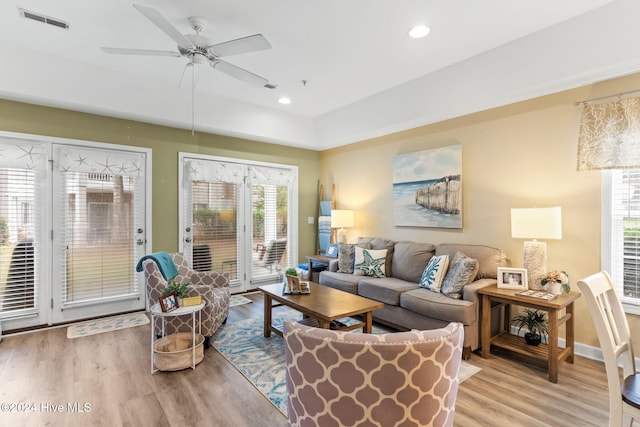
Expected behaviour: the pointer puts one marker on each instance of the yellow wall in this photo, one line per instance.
(166, 143)
(523, 155)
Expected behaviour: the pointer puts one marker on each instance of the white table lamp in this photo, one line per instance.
(536, 223)
(341, 219)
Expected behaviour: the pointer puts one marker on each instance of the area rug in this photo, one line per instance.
(261, 360)
(238, 300)
(106, 325)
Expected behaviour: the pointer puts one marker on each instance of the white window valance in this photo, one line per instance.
(204, 170)
(95, 160)
(610, 135)
(271, 176)
(23, 155)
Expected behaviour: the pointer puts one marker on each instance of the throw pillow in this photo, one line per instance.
(462, 272)
(434, 272)
(369, 262)
(346, 258)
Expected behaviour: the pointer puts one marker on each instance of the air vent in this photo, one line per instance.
(44, 19)
(270, 86)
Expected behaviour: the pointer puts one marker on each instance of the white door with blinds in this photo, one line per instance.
(238, 217)
(99, 231)
(73, 218)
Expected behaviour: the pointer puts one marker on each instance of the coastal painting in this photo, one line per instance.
(427, 188)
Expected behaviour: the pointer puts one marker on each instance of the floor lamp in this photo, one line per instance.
(536, 223)
(341, 219)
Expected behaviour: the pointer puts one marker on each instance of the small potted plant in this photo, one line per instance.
(180, 289)
(536, 322)
(558, 281)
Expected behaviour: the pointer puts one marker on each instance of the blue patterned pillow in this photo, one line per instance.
(434, 272)
(369, 262)
(462, 272)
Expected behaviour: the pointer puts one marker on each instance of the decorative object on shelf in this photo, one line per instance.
(332, 250)
(512, 278)
(427, 188)
(537, 294)
(536, 322)
(558, 281)
(189, 301)
(168, 302)
(341, 219)
(536, 223)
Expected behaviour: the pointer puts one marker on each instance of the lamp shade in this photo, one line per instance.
(341, 218)
(536, 223)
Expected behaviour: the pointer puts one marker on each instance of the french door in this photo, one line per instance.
(238, 217)
(73, 218)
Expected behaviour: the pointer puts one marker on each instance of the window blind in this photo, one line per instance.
(625, 233)
(270, 191)
(101, 202)
(22, 166)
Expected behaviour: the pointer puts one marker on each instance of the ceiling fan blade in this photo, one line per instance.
(239, 73)
(161, 22)
(146, 52)
(241, 45)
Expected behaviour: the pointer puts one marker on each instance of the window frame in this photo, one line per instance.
(607, 252)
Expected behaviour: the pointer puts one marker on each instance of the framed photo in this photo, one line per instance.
(512, 278)
(332, 250)
(168, 302)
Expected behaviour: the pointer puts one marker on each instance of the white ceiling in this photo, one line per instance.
(365, 76)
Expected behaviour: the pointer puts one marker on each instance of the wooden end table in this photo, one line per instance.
(323, 303)
(551, 352)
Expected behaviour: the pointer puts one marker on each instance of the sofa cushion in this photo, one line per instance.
(489, 259)
(410, 260)
(434, 273)
(378, 243)
(344, 282)
(347, 256)
(462, 271)
(384, 289)
(369, 262)
(439, 306)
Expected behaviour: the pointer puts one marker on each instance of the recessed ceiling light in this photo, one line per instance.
(419, 31)
(284, 100)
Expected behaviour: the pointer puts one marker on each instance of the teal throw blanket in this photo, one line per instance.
(165, 264)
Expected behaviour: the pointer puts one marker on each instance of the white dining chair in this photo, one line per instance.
(615, 342)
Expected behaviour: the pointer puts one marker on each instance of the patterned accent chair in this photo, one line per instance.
(337, 378)
(211, 285)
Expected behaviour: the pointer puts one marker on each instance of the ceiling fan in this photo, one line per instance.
(199, 50)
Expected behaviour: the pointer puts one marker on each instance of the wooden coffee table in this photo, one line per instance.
(321, 306)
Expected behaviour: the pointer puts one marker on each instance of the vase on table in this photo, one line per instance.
(555, 288)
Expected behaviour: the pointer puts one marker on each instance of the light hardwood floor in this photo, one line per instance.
(110, 372)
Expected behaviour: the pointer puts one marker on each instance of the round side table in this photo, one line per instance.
(156, 311)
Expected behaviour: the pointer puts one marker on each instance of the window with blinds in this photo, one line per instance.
(19, 223)
(624, 233)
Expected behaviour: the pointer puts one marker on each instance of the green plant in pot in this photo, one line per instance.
(180, 289)
(536, 322)
(291, 272)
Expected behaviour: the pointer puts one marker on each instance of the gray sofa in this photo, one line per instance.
(406, 304)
